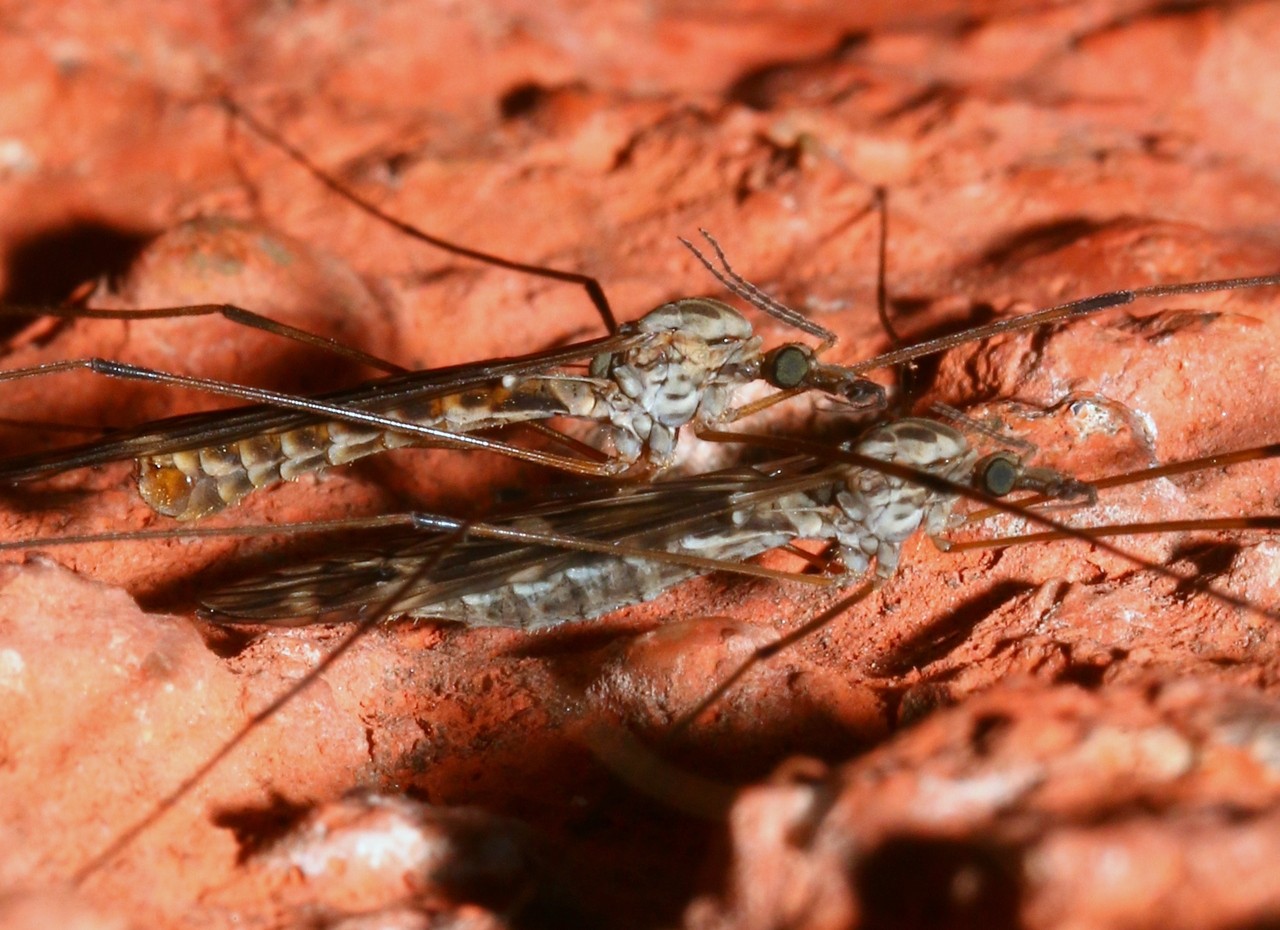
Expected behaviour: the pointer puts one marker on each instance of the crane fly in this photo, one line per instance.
(678, 365)
(457, 560)
(501, 576)
(588, 555)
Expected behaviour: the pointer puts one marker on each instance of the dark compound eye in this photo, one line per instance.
(998, 474)
(787, 366)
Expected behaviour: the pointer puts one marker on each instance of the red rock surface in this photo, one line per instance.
(1046, 735)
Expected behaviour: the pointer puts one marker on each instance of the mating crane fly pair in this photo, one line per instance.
(594, 549)
(679, 365)
(682, 364)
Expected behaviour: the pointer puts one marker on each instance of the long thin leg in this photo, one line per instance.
(188, 784)
(1071, 310)
(1169, 469)
(882, 265)
(230, 312)
(943, 486)
(594, 291)
(768, 651)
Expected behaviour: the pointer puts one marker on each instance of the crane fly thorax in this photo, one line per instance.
(884, 511)
(696, 352)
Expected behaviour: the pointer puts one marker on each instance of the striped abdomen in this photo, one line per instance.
(594, 586)
(195, 483)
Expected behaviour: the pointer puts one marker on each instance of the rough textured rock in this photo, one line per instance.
(1047, 735)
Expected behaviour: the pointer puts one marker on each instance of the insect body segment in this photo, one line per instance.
(728, 516)
(881, 512)
(697, 351)
(194, 483)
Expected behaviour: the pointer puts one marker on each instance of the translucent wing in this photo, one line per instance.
(504, 571)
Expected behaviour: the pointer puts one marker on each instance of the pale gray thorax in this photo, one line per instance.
(884, 511)
(697, 352)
